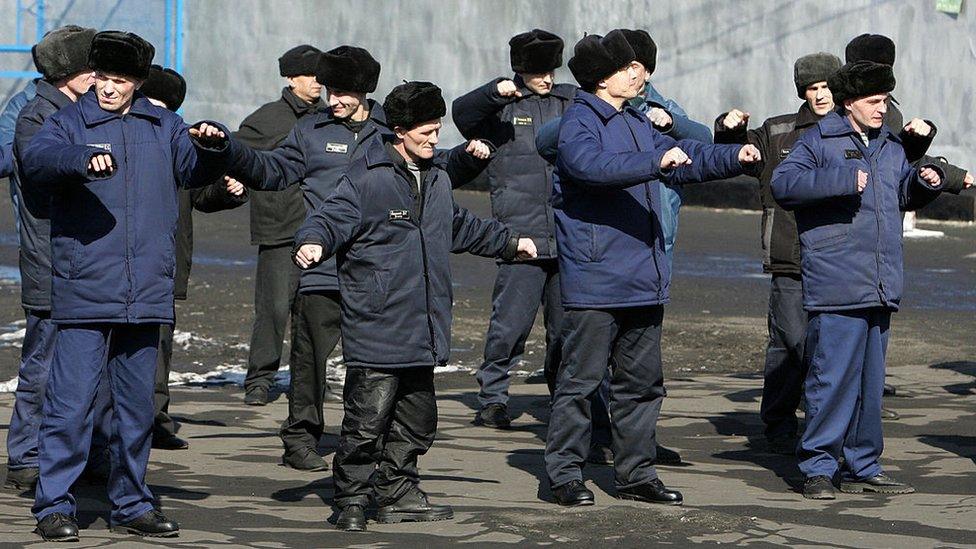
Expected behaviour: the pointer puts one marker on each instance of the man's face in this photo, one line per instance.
(421, 140)
(622, 84)
(819, 98)
(80, 83)
(307, 88)
(344, 104)
(540, 83)
(643, 77)
(868, 111)
(115, 91)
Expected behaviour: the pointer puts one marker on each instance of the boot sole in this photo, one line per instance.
(350, 527)
(645, 500)
(57, 540)
(820, 496)
(395, 518)
(857, 488)
(577, 503)
(137, 532)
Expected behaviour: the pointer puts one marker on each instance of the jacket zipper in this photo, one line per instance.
(125, 185)
(423, 251)
(877, 218)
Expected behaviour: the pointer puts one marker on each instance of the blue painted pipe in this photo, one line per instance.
(29, 75)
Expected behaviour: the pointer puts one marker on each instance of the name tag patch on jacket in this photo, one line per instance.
(783, 153)
(399, 215)
(103, 146)
(852, 153)
(340, 148)
(522, 120)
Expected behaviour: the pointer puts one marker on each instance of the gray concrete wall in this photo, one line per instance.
(714, 54)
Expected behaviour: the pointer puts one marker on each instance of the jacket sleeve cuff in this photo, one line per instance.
(939, 170)
(225, 142)
(510, 251)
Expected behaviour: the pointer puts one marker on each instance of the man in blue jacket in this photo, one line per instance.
(317, 151)
(509, 112)
(62, 58)
(614, 273)
(847, 180)
(112, 163)
(392, 223)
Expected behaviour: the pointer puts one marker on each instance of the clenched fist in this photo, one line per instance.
(968, 181)
(308, 255)
(749, 154)
(101, 165)
(674, 158)
(930, 176)
(659, 117)
(526, 249)
(207, 135)
(233, 186)
(862, 181)
(507, 88)
(919, 127)
(478, 149)
(735, 119)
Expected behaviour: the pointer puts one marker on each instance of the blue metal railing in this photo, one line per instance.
(18, 46)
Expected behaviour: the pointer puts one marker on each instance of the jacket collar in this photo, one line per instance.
(558, 90)
(377, 116)
(835, 125)
(805, 116)
(50, 93)
(93, 114)
(298, 105)
(604, 110)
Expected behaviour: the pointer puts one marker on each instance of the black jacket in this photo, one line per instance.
(774, 139)
(209, 199)
(392, 245)
(35, 207)
(916, 149)
(275, 216)
(520, 179)
(313, 157)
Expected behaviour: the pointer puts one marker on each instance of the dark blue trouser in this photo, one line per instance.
(519, 290)
(275, 290)
(82, 354)
(844, 385)
(785, 369)
(630, 340)
(35, 365)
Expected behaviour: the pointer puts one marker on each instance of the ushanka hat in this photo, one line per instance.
(63, 52)
(535, 52)
(348, 68)
(861, 79)
(596, 57)
(871, 47)
(813, 68)
(165, 85)
(299, 61)
(123, 53)
(413, 103)
(645, 50)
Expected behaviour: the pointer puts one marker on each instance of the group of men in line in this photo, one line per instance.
(354, 218)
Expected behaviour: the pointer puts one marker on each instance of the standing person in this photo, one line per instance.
(112, 163)
(846, 180)
(509, 112)
(784, 369)
(275, 216)
(166, 88)
(8, 123)
(614, 275)
(317, 151)
(62, 58)
(392, 223)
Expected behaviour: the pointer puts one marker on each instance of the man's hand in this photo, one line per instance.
(674, 158)
(101, 165)
(659, 117)
(749, 154)
(308, 255)
(234, 186)
(207, 135)
(526, 249)
(968, 181)
(735, 119)
(930, 176)
(919, 127)
(478, 149)
(507, 88)
(862, 181)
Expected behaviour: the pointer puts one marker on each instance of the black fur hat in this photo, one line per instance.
(165, 85)
(596, 57)
(871, 47)
(536, 51)
(412, 103)
(299, 61)
(123, 53)
(645, 50)
(813, 68)
(63, 52)
(348, 68)
(861, 79)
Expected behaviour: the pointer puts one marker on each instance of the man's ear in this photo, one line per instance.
(399, 132)
(139, 83)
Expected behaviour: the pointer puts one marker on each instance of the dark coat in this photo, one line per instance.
(608, 205)
(774, 139)
(393, 248)
(209, 199)
(520, 180)
(316, 153)
(275, 216)
(916, 148)
(113, 238)
(35, 208)
(850, 243)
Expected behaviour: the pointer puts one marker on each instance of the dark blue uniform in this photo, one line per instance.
(851, 264)
(113, 251)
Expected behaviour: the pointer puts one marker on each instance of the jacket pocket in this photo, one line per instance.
(169, 268)
(74, 262)
(830, 241)
(370, 294)
(595, 245)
